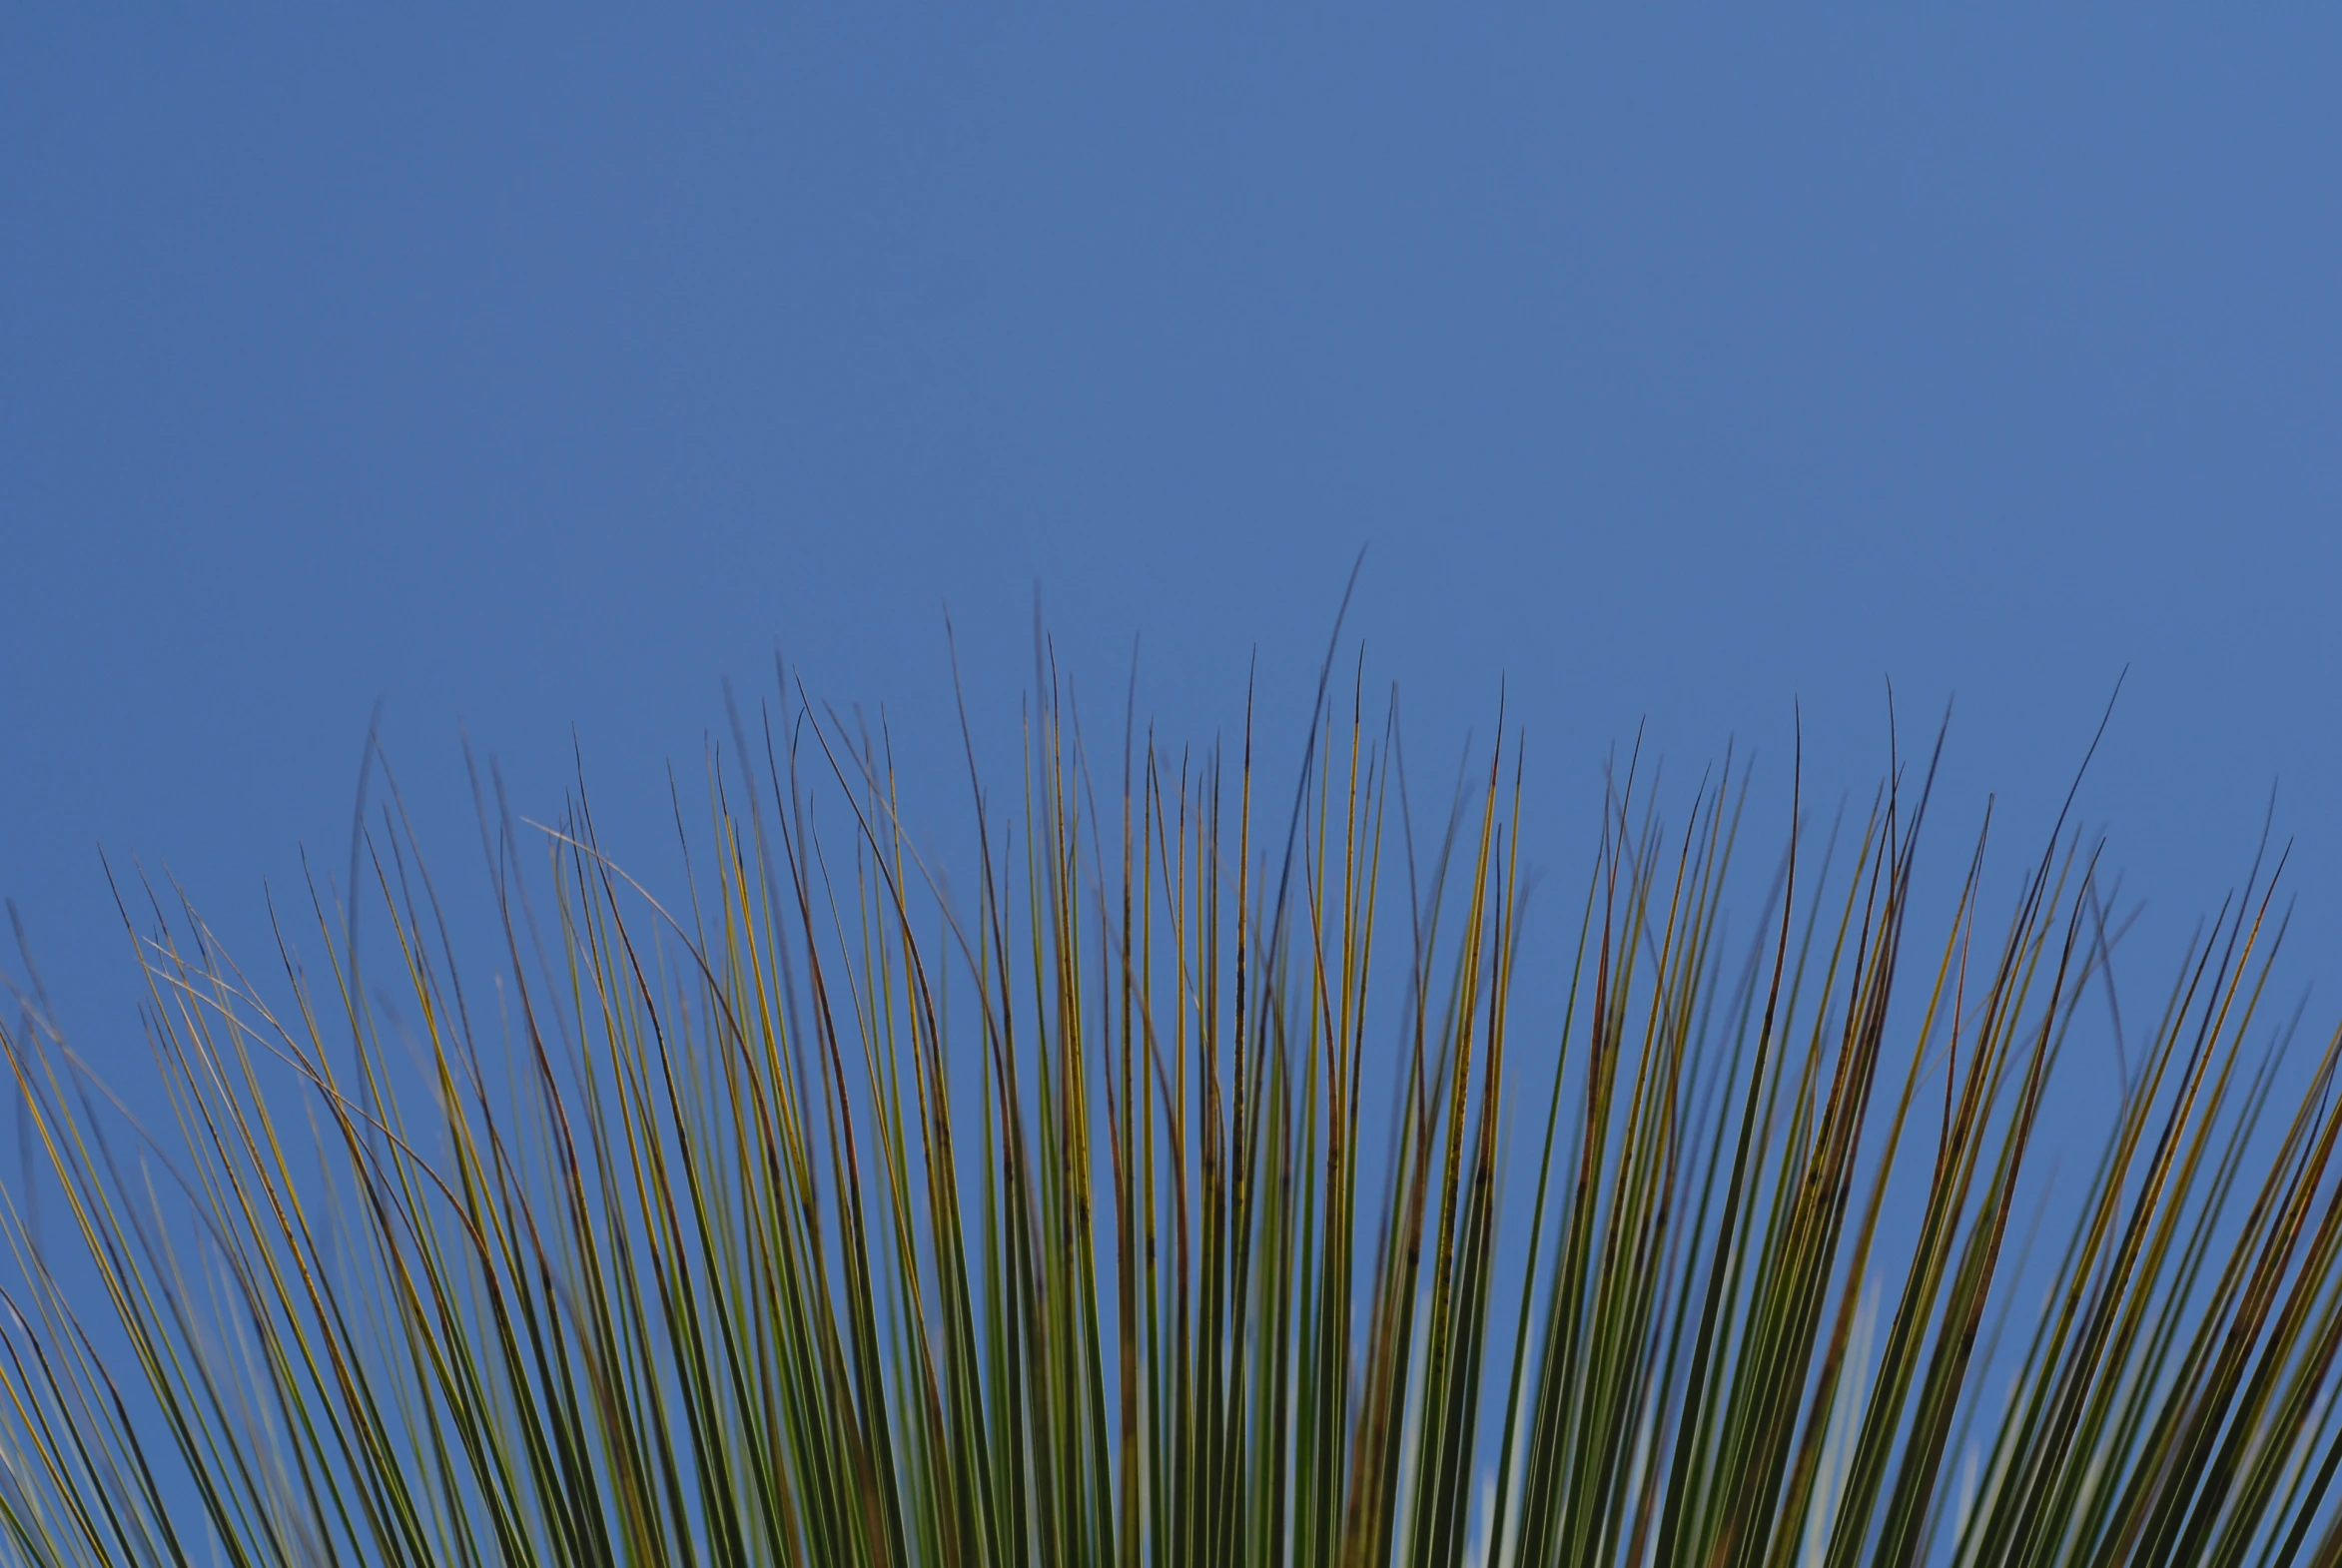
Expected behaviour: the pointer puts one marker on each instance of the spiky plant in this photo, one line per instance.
(1143, 1207)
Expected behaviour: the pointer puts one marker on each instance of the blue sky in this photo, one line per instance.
(533, 373)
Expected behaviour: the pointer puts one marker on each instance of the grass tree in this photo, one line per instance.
(1142, 1206)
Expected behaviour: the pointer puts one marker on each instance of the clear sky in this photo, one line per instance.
(528, 371)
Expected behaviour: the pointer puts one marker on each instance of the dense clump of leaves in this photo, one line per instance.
(1143, 1209)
